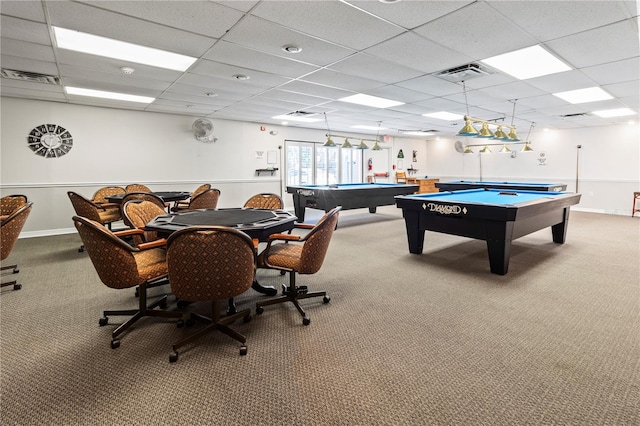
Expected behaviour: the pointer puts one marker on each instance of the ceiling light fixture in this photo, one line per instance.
(580, 96)
(329, 143)
(241, 77)
(527, 63)
(108, 95)
(291, 48)
(443, 115)
(102, 46)
(296, 118)
(617, 112)
(505, 145)
(372, 101)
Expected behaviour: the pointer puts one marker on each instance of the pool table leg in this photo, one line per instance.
(499, 252)
(559, 230)
(299, 205)
(372, 209)
(415, 235)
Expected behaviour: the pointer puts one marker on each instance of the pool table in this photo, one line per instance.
(347, 195)
(493, 215)
(457, 185)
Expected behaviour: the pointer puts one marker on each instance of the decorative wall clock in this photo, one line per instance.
(50, 141)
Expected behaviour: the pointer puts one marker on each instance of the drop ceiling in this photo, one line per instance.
(391, 50)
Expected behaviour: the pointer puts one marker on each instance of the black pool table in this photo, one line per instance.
(347, 195)
(458, 185)
(496, 216)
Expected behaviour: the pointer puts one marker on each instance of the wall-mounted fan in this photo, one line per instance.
(203, 130)
(459, 146)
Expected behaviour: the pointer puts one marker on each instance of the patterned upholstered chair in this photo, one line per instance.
(205, 200)
(140, 196)
(104, 214)
(305, 258)
(137, 187)
(11, 203)
(265, 201)
(121, 266)
(184, 204)
(212, 263)
(140, 212)
(10, 228)
(100, 195)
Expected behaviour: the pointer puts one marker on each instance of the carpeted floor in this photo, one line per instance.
(406, 340)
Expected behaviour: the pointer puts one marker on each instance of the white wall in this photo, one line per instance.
(117, 147)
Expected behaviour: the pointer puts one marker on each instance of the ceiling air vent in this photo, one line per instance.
(463, 72)
(301, 114)
(578, 114)
(30, 76)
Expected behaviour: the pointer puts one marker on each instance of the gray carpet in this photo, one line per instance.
(406, 340)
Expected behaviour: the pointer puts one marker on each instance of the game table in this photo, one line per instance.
(257, 223)
(167, 196)
(493, 215)
(348, 195)
(458, 185)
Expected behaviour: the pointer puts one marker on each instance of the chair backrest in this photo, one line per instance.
(11, 203)
(114, 260)
(205, 200)
(201, 189)
(84, 207)
(99, 196)
(137, 187)
(138, 213)
(10, 229)
(401, 177)
(317, 242)
(210, 263)
(143, 196)
(265, 201)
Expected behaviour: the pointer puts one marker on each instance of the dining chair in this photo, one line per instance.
(105, 214)
(11, 203)
(213, 264)
(120, 265)
(265, 201)
(99, 197)
(299, 255)
(137, 187)
(140, 196)
(205, 200)
(401, 177)
(10, 228)
(184, 204)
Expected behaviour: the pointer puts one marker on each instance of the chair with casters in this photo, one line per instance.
(213, 264)
(104, 214)
(100, 195)
(10, 228)
(136, 187)
(184, 204)
(11, 203)
(305, 258)
(141, 196)
(120, 265)
(205, 200)
(265, 201)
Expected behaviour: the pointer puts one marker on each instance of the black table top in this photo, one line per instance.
(165, 195)
(257, 223)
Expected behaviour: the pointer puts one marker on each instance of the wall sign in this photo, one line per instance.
(50, 141)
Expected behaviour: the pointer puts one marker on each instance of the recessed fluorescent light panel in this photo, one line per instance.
(108, 95)
(527, 63)
(618, 112)
(415, 133)
(372, 101)
(102, 46)
(443, 115)
(580, 96)
(362, 126)
(296, 118)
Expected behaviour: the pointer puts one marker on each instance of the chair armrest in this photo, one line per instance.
(128, 232)
(304, 226)
(286, 237)
(162, 242)
(4, 217)
(105, 206)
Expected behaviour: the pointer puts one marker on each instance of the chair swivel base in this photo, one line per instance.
(215, 324)
(142, 311)
(293, 294)
(14, 283)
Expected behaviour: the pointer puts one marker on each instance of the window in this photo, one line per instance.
(312, 163)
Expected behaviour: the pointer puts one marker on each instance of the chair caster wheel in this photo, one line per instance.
(163, 304)
(283, 272)
(137, 292)
(16, 270)
(81, 249)
(246, 318)
(103, 321)
(115, 343)
(306, 320)
(259, 310)
(243, 350)
(183, 303)
(173, 356)
(189, 322)
(17, 286)
(326, 299)
(180, 323)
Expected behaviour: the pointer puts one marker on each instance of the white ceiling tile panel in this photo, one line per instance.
(24, 30)
(376, 68)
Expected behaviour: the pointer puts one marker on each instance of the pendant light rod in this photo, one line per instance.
(350, 137)
(479, 120)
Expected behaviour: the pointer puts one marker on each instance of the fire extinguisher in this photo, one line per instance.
(370, 163)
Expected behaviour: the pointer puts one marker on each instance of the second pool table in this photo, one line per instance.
(458, 185)
(347, 195)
